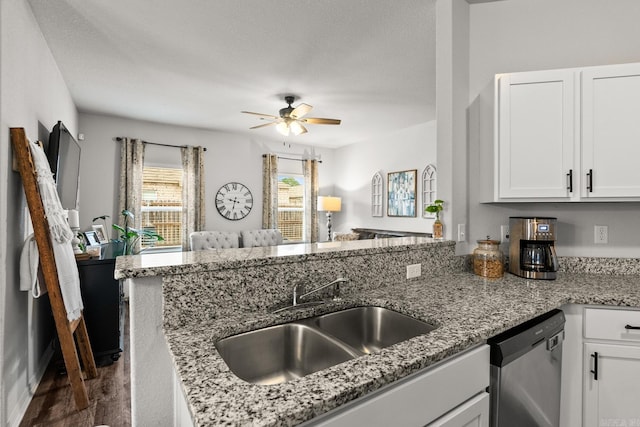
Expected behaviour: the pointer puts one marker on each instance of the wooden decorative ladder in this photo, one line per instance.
(66, 329)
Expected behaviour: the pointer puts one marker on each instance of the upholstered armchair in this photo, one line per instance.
(200, 240)
(269, 237)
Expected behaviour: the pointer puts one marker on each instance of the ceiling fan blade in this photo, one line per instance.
(266, 124)
(300, 111)
(271, 116)
(320, 121)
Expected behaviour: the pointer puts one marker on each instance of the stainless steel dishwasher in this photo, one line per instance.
(526, 366)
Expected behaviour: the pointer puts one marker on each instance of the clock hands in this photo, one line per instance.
(235, 200)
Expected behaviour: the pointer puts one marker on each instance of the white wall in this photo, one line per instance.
(229, 157)
(34, 96)
(452, 65)
(355, 165)
(519, 35)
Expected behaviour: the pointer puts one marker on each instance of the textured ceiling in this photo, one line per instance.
(200, 62)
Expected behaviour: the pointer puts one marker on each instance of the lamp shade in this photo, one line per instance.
(329, 204)
(74, 219)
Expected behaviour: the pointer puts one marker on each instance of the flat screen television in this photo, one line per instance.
(63, 153)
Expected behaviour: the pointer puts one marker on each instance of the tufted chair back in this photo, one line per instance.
(200, 240)
(270, 237)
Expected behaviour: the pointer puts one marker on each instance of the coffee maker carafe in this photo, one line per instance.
(532, 252)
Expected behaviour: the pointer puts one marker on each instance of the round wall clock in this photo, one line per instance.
(234, 201)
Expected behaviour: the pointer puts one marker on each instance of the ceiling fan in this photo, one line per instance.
(290, 119)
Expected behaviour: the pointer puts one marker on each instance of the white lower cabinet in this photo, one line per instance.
(613, 398)
(451, 394)
(474, 413)
(611, 363)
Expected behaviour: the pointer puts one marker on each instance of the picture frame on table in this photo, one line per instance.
(401, 193)
(91, 238)
(101, 234)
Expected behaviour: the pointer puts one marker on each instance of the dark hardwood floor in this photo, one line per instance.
(109, 396)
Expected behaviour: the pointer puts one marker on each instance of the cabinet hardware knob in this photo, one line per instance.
(632, 327)
(594, 371)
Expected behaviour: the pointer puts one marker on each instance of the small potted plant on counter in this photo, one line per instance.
(130, 236)
(435, 208)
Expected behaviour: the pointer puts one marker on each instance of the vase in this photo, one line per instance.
(438, 229)
(114, 249)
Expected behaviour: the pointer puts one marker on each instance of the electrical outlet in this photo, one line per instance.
(504, 233)
(462, 232)
(601, 234)
(414, 270)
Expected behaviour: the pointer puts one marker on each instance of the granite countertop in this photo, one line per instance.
(150, 264)
(466, 309)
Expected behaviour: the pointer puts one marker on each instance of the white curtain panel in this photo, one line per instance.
(193, 213)
(310, 172)
(131, 166)
(269, 191)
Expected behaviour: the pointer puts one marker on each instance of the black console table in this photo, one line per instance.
(103, 308)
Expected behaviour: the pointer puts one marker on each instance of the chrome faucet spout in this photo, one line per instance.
(334, 283)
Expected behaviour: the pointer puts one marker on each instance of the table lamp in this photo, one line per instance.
(329, 204)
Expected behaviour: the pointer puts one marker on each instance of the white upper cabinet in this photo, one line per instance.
(563, 135)
(611, 131)
(536, 134)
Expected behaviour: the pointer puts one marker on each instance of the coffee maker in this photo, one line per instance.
(532, 252)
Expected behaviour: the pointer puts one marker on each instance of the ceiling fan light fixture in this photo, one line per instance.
(292, 120)
(283, 128)
(296, 128)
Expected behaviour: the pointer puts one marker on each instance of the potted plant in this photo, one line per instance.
(130, 236)
(435, 208)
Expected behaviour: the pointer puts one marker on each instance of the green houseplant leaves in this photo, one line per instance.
(130, 236)
(435, 208)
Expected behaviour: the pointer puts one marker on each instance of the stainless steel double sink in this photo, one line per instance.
(285, 352)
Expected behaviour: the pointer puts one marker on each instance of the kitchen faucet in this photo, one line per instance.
(336, 290)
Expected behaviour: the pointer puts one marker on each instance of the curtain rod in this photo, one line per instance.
(119, 138)
(290, 158)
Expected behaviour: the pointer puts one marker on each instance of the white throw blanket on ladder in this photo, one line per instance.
(61, 235)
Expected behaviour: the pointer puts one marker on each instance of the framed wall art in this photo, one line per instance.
(401, 192)
(101, 235)
(91, 238)
(428, 190)
(377, 195)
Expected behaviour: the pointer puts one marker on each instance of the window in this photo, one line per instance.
(291, 207)
(162, 205)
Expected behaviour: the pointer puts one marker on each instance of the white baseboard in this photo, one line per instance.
(16, 415)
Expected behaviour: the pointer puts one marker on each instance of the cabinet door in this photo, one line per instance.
(422, 397)
(611, 131)
(613, 398)
(473, 413)
(536, 134)
(103, 309)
